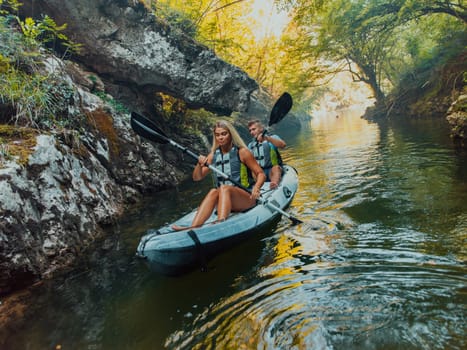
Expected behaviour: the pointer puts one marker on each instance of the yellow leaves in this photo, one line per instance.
(45, 31)
(29, 28)
(4, 64)
(8, 6)
(231, 29)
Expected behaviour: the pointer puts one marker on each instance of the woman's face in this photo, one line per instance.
(222, 136)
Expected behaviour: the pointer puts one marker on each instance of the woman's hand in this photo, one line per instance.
(202, 160)
(255, 193)
(201, 168)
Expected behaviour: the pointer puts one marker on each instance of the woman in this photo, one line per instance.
(231, 156)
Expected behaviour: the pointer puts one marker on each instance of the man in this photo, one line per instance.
(265, 150)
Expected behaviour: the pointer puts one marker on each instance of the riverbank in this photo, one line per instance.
(443, 95)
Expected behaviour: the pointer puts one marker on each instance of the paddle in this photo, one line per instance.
(149, 130)
(280, 108)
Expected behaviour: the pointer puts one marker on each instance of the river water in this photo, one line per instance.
(379, 262)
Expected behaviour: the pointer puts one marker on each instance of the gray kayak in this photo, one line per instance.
(172, 252)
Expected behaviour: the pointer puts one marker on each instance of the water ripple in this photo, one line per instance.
(377, 264)
(355, 304)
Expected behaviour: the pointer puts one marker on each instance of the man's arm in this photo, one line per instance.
(275, 140)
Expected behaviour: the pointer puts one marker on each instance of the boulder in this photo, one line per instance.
(127, 45)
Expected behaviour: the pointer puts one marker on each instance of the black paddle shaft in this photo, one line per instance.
(147, 129)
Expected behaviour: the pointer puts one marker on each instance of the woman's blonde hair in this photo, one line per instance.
(236, 138)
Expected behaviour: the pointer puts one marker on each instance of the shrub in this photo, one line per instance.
(29, 95)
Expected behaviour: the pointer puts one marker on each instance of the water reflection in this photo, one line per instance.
(379, 262)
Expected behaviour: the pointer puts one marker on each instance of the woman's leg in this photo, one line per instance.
(206, 207)
(232, 199)
(204, 211)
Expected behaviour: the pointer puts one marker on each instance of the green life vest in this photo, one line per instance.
(266, 154)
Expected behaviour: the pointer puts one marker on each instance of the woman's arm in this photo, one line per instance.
(200, 170)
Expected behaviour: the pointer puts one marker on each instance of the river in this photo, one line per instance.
(379, 262)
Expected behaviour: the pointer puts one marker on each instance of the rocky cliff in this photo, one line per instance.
(66, 185)
(130, 48)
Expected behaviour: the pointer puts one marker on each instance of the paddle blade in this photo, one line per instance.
(147, 129)
(295, 221)
(281, 108)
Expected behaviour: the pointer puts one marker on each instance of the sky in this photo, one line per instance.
(271, 21)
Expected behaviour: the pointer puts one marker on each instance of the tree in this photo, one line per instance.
(363, 36)
(277, 64)
(408, 10)
(349, 38)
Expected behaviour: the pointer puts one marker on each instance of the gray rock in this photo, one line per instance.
(76, 182)
(130, 46)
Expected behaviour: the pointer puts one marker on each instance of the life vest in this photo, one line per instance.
(231, 165)
(266, 154)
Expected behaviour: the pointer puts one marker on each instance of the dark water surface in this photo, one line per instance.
(380, 262)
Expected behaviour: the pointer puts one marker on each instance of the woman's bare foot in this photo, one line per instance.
(179, 228)
(218, 221)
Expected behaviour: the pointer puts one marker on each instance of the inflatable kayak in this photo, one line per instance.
(172, 252)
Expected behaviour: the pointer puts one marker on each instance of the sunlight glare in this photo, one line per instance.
(271, 22)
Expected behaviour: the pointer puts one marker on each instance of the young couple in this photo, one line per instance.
(250, 166)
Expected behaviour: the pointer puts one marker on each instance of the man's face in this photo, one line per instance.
(255, 129)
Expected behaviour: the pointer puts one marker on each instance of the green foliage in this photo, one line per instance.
(36, 33)
(182, 19)
(46, 31)
(9, 6)
(109, 100)
(380, 41)
(35, 97)
(175, 112)
(277, 64)
(43, 31)
(14, 47)
(409, 10)
(29, 95)
(4, 64)
(423, 46)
